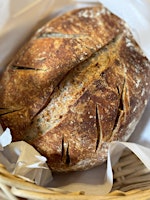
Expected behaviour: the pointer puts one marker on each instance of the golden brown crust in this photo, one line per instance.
(78, 84)
(54, 50)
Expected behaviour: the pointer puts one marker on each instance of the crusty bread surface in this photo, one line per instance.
(80, 83)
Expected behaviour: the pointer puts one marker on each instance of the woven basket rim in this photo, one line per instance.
(131, 179)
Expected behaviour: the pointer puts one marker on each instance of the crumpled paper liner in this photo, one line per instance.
(22, 159)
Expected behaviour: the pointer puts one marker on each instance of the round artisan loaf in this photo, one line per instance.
(78, 84)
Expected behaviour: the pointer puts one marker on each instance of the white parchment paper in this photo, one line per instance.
(17, 21)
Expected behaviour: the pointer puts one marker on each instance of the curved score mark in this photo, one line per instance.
(120, 107)
(5, 111)
(25, 68)
(99, 128)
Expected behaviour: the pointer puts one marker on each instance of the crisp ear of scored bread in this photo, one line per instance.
(78, 84)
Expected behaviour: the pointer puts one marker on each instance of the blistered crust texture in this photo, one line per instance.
(78, 84)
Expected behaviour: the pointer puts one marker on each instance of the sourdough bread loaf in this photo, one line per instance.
(78, 84)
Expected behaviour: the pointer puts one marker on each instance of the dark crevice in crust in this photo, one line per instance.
(41, 109)
(61, 35)
(98, 126)
(116, 120)
(121, 102)
(67, 156)
(5, 111)
(121, 105)
(118, 90)
(62, 150)
(26, 68)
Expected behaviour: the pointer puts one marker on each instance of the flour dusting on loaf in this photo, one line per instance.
(78, 84)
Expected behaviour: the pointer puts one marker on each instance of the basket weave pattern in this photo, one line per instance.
(131, 180)
(130, 173)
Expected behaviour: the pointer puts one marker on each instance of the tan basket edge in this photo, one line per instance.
(14, 188)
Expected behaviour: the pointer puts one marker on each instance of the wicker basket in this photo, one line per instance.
(131, 180)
